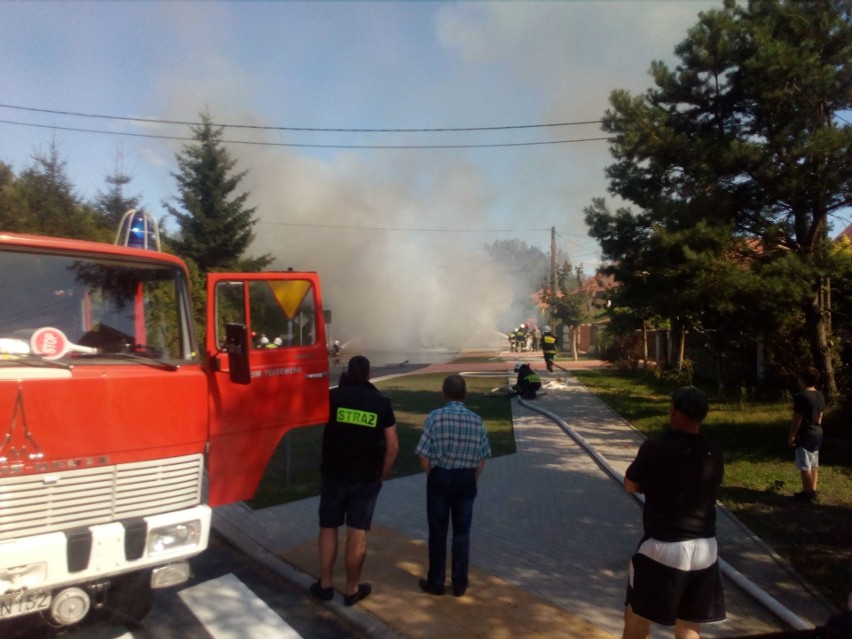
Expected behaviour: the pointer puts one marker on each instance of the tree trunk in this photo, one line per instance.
(815, 325)
(678, 336)
(720, 385)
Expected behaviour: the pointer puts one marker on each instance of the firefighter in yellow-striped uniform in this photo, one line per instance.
(548, 348)
(528, 381)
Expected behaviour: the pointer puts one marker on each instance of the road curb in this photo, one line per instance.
(234, 533)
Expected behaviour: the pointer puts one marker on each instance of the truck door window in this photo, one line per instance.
(283, 313)
(230, 307)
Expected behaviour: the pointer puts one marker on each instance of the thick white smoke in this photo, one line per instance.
(401, 264)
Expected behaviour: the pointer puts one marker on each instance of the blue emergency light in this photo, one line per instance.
(138, 229)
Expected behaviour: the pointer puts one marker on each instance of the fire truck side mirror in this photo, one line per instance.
(237, 346)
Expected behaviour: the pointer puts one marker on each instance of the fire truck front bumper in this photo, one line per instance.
(35, 568)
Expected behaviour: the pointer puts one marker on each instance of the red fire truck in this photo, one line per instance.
(119, 433)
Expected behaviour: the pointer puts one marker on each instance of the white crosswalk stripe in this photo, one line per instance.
(228, 609)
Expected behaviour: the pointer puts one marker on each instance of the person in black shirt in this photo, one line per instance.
(806, 432)
(359, 446)
(674, 575)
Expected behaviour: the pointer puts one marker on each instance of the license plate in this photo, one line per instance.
(22, 603)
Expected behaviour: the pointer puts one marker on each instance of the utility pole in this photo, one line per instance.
(552, 273)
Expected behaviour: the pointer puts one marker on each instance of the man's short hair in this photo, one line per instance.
(454, 387)
(358, 369)
(691, 402)
(809, 376)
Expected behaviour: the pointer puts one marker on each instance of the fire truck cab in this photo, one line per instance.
(118, 432)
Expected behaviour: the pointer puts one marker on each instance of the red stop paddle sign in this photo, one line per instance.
(49, 342)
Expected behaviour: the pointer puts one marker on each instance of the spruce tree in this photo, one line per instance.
(215, 226)
(45, 202)
(113, 203)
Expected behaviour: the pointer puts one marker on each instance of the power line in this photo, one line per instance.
(390, 228)
(179, 138)
(293, 128)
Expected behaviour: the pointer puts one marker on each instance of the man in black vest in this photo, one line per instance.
(359, 446)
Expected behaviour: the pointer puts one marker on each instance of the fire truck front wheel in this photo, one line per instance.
(130, 597)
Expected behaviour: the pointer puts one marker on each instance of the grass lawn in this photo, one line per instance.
(760, 475)
(293, 472)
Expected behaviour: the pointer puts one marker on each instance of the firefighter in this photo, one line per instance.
(515, 340)
(548, 348)
(528, 381)
(521, 337)
(334, 353)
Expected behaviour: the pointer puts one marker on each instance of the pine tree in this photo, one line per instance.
(113, 203)
(47, 204)
(11, 209)
(215, 226)
(743, 137)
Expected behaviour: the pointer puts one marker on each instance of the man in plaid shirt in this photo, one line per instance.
(452, 451)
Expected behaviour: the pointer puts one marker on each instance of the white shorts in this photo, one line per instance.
(694, 554)
(806, 460)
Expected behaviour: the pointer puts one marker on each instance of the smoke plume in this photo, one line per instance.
(401, 264)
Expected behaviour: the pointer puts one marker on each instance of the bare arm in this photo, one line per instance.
(391, 450)
(631, 486)
(795, 423)
(424, 462)
(480, 467)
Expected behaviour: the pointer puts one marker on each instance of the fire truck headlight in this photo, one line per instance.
(174, 536)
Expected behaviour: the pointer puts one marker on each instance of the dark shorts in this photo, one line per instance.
(348, 502)
(689, 588)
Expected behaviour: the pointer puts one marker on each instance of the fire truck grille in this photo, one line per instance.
(38, 504)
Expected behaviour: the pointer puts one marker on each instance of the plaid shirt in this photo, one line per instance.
(454, 437)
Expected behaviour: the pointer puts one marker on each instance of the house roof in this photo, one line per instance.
(845, 234)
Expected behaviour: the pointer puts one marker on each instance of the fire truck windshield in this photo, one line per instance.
(88, 308)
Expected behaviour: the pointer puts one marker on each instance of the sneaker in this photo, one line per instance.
(326, 594)
(363, 592)
(459, 590)
(804, 496)
(432, 589)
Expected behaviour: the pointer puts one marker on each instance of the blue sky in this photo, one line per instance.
(396, 216)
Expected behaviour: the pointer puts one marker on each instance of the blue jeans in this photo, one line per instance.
(449, 493)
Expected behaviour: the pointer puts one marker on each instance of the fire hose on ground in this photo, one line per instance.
(760, 595)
